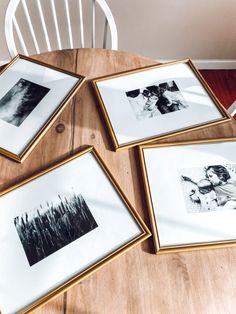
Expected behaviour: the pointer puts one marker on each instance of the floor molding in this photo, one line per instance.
(3, 62)
(211, 64)
(232, 109)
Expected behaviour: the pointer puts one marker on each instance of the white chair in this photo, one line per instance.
(22, 17)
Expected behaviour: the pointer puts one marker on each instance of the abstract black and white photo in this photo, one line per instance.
(50, 227)
(156, 99)
(209, 188)
(20, 101)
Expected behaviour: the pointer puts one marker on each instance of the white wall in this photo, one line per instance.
(3, 49)
(168, 29)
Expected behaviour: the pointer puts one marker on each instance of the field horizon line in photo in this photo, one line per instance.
(54, 226)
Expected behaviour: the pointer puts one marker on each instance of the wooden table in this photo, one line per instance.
(139, 281)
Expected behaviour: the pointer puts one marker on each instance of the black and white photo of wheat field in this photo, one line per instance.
(49, 228)
(20, 101)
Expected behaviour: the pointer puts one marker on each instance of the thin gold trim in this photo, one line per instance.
(106, 117)
(145, 233)
(225, 115)
(9, 154)
(197, 246)
(30, 146)
(149, 200)
(154, 224)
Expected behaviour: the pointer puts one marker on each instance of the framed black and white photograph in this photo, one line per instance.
(157, 101)
(32, 94)
(191, 193)
(58, 227)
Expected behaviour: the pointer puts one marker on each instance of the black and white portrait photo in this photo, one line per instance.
(20, 101)
(209, 188)
(157, 99)
(52, 226)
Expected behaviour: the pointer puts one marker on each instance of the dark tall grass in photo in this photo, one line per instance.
(20, 101)
(54, 226)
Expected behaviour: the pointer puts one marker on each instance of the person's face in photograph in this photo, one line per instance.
(162, 91)
(212, 177)
(205, 186)
(150, 95)
(152, 98)
(146, 93)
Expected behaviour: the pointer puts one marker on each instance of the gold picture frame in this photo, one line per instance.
(164, 219)
(225, 117)
(144, 233)
(13, 81)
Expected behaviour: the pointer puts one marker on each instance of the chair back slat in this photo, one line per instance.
(111, 23)
(81, 20)
(19, 34)
(69, 23)
(54, 14)
(43, 25)
(105, 34)
(25, 8)
(93, 23)
(50, 32)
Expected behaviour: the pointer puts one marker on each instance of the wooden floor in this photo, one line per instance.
(223, 84)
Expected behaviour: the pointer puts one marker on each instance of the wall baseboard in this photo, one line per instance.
(216, 64)
(232, 109)
(211, 64)
(3, 62)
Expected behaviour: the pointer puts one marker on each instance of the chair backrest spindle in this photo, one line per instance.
(93, 23)
(81, 24)
(33, 11)
(105, 34)
(19, 34)
(54, 14)
(43, 25)
(30, 26)
(69, 23)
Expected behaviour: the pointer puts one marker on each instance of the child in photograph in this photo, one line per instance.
(217, 191)
(152, 100)
(171, 91)
(143, 103)
(224, 185)
(163, 102)
(205, 195)
(155, 100)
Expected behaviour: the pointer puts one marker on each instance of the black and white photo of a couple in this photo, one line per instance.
(209, 188)
(20, 101)
(157, 99)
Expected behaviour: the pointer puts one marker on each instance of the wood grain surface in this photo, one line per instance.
(139, 281)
